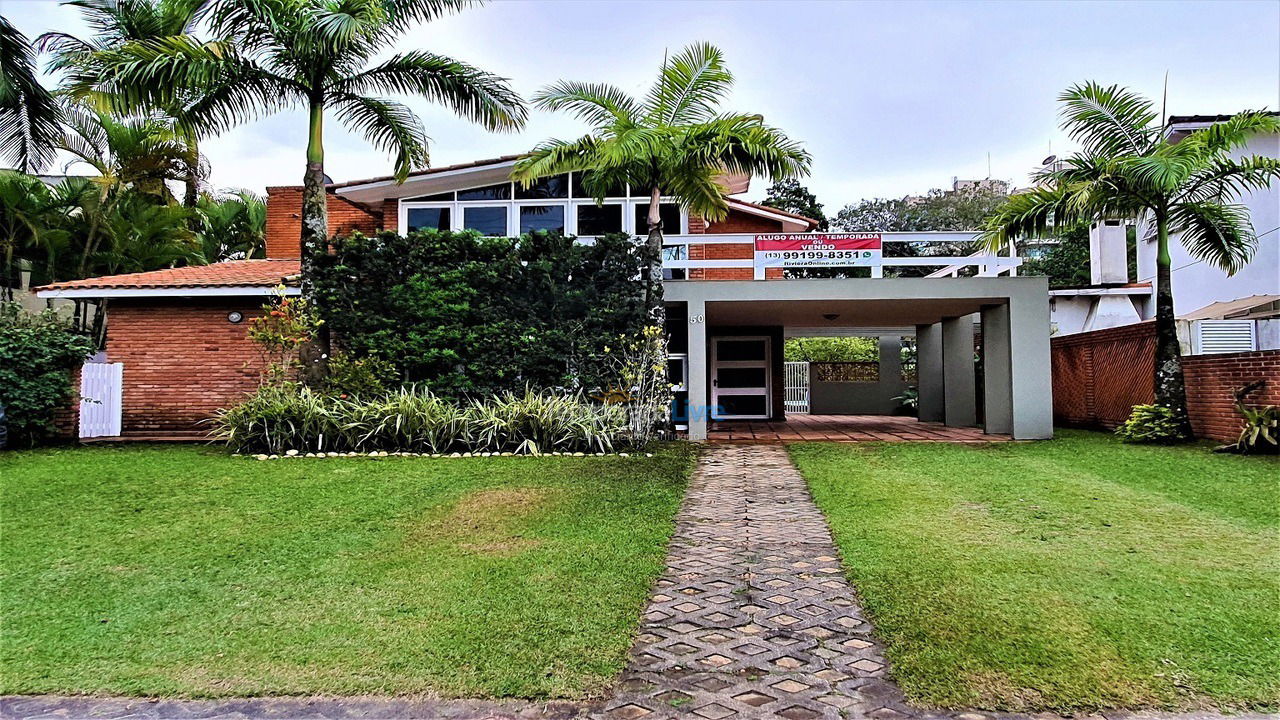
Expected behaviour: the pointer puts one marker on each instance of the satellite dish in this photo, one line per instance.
(1049, 160)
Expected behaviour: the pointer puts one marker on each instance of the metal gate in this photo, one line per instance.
(101, 391)
(796, 377)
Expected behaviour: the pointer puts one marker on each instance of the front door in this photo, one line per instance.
(740, 381)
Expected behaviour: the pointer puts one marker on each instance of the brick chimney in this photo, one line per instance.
(1108, 253)
(284, 220)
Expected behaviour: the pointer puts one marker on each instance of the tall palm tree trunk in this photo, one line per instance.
(1170, 386)
(653, 288)
(315, 235)
(191, 182)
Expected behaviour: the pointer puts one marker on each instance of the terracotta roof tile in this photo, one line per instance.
(232, 273)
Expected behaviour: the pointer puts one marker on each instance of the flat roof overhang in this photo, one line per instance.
(862, 302)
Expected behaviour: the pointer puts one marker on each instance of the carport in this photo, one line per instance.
(734, 330)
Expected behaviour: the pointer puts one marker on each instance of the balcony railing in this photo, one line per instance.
(676, 255)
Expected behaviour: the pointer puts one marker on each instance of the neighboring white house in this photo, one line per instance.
(1220, 313)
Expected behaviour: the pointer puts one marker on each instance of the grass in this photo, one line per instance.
(1069, 575)
(180, 571)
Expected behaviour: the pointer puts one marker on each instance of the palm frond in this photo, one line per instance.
(472, 93)
(389, 126)
(1232, 133)
(599, 104)
(29, 116)
(1033, 213)
(1226, 177)
(553, 157)
(690, 86)
(1219, 234)
(744, 144)
(404, 14)
(1108, 120)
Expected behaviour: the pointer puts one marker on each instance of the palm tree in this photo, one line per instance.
(28, 222)
(116, 23)
(1129, 169)
(269, 55)
(233, 226)
(30, 121)
(673, 143)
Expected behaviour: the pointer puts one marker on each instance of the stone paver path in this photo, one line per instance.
(753, 617)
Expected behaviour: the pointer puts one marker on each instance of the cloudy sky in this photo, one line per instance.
(891, 98)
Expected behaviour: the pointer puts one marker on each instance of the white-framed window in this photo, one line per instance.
(557, 203)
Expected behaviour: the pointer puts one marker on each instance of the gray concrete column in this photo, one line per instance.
(959, 384)
(699, 403)
(997, 361)
(1031, 385)
(890, 359)
(929, 372)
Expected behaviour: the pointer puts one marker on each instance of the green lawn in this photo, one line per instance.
(180, 571)
(1068, 575)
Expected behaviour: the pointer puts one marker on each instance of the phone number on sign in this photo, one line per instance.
(819, 257)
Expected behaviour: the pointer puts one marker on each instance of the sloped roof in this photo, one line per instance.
(743, 204)
(1240, 307)
(232, 273)
(428, 171)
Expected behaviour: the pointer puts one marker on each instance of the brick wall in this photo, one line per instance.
(284, 220)
(183, 360)
(1212, 381)
(736, 222)
(1099, 376)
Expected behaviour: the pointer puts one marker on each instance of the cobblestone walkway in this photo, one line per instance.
(753, 618)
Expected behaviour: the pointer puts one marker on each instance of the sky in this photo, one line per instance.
(891, 98)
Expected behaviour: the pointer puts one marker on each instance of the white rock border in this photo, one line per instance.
(379, 454)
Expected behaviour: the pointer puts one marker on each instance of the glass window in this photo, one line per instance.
(428, 219)
(599, 220)
(669, 212)
(556, 186)
(740, 350)
(618, 190)
(487, 220)
(438, 197)
(491, 192)
(542, 217)
(743, 404)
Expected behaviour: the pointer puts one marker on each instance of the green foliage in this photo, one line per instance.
(366, 377)
(1066, 263)
(471, 316)
(289, 416)
(793, 197)
(1151, 424)
(233, 226)
(1261, 432)
(29, 115)
(833, 349)
(645, 388)
(37, 355)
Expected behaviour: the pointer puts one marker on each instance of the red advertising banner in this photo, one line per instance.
(818, 241)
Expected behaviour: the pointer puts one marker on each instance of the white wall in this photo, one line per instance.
(1195, 283)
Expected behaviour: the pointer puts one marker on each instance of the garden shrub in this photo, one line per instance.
(291, 416)
(472, 316)
(37, 355)
(1154, 424)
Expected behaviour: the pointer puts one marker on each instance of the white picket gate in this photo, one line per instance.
(101, 395)
(796, 376)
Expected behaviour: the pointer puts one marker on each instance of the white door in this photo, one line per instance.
(101, 390)
(740, 381)
(796, 375)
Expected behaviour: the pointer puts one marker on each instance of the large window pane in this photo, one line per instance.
(743, 404)
(556, 186)
(740, 350)
(734, 377)
(669, 212)
(487, 220)
(438, 197)
(491, 192)
(542, 217)
(599, 220)
(428, 219)
(580, 191)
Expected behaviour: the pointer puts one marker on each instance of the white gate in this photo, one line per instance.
(796, 375)
(101, 391)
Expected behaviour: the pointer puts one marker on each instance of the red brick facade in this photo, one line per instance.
(1099, 376)
(736, 222)
(284, 220)
(1212, 381)
(183, 360)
